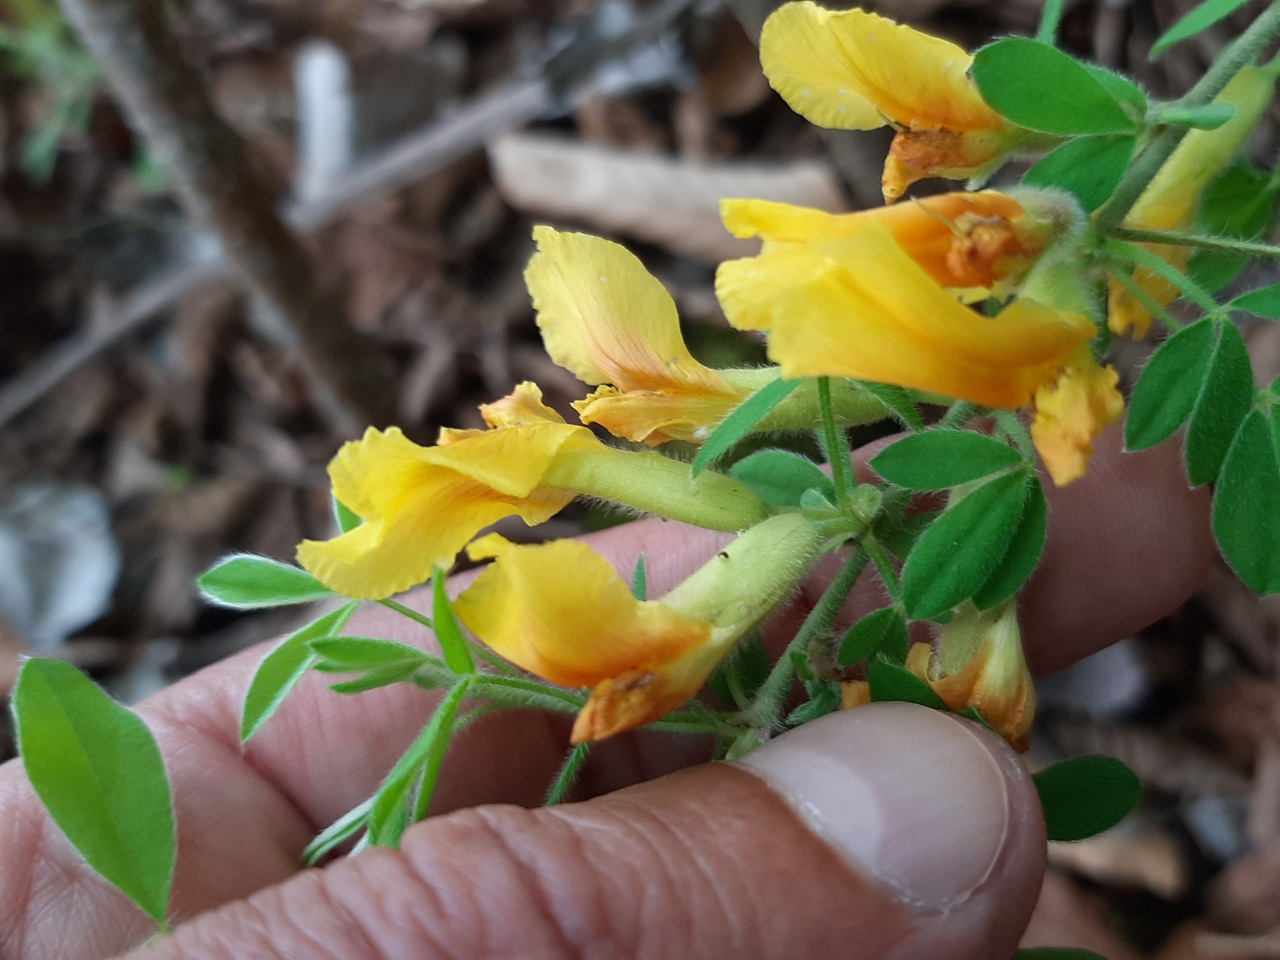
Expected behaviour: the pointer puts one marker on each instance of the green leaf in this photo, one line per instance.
(881, 631)
(283, 667)
(1041, 88)
(1023, 555)
(245, 581)
(338, 832)
(899, 402)
(1167, 390)
(453, 644)
(963, 548)
(390, 813)
(780, 477)
(1207, 116)
(640, 579)
(1089, 167)
(98, 771)
(349, 654)
(346, 519)
(1263, 302)
(739, 423)
(1122, 88)
(1195, 20)
(824, 698)
(1224, 400)
(938, 459)
(1056, 953)
(1084, 796)
(1239, 204)
(1246, 505)
(889, 681)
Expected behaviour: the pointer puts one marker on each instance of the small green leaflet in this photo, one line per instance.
(1246, 504)
(1263, 302)
(1041, 88)
(1239, 204)
(346, 518)
(1086, 795)
(1088, 167)
(938, 459)
(889, 681)
(382, 662)
(881, 631)
(453, 644)
(824, 698)
(283, 667)
(1056, 953)
(1208, 116)
(98, 771)
(1023, 556)
(338, 832)
(1167, 390)
(780, 477)
(899, 402)
(419, 765)
(1050, 17)
(1122, 88)
(245, 581)
(739, 423)
(1195, 20)
(640, 579)
(961, 550)
(1224, 400)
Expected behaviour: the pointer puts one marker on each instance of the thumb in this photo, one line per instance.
(890, 830)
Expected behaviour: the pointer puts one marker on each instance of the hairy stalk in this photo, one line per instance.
(1222, 244)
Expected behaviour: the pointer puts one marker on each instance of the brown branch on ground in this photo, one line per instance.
(167, 104)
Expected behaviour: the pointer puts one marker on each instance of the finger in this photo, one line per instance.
(828, 840)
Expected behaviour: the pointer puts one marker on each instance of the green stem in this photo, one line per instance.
(1231, 61)
(884, 567)
(1224, 244)
(958, 414)
(764, 712)
(837, 451)
(1017, 431)
(1120, 250)
(1050, 17)
(1146, 300)
(412, 614)
(567, 775)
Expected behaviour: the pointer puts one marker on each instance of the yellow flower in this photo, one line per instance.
(977, 662)
(1070, 412)
(608, 321)
(854, 70)
(875, 296)
(1169, 203)
(559, 610)
(420, 505)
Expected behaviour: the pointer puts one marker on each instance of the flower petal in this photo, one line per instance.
(657, 416)
(1070, 413)
(420, 505)
(559, 610)
(860, 307)
(854, 70)
(607, 319)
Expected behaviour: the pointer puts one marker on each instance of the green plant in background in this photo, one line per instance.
(978, 322)
(39, 46)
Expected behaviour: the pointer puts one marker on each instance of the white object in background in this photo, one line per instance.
(326, 118)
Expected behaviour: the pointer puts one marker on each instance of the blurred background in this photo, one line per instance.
(155, 416)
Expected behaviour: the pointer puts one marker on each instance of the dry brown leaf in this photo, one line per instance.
(671, 203)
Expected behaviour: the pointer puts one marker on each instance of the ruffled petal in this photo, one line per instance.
(559, 610)
(657, 416)
(1070, 412)
(854, 70)
(420, 505)
(607, 319)
(860, 307)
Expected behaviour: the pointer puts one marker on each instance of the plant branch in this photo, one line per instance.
(1223, 244)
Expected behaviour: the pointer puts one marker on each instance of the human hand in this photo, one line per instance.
(900, 830)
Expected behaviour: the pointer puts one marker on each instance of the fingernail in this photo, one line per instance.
(910, 796)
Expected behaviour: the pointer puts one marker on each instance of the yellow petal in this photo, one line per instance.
(523, 407)
(1070, 413)
(420, 505)
(657, 416)
(559, 610)
(854, 70)
(961, 240)
(607, 319)
(860, 307)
